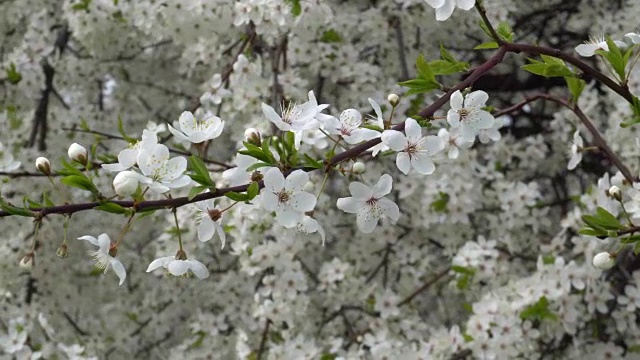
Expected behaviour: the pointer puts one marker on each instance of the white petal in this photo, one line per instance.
(383, 187)
(104, 242)
(223, 236)
(465, 4)
(423, 165)
(476, 98)
(160, 262)
(435, 3)
(456, 100)
(178, 267)
(198, 269)
(444, 12)
(187, 122)
(296, 181)
(177, 133)
(302, 201)
(413, 130)
(118, 268)
(90, 239)
(390, 209)
(480, 120)
(433, 144)
(395, 140)
(634, 37)
(273, 180)
(574, 161)
(181, 181)
(467, 132)
(350, 204)
(453, 118)
(587, 50)
(366, 221)
(360, 190)
(206, 229)
(288, 217)
(174, 168)
(403, 163)
(269, 200)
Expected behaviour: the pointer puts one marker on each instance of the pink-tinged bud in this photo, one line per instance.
(78, 153)
(358, 168)
(43, 165)
(126, 183)
(604, 261)
(252, 136)
(28, 261)
(393, 99)
(615, 193)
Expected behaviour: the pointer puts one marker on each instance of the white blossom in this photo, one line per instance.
(160, 172)
(180, 267)
(197, 130)
(444, 8)
(103, 257)
(414, 150)
(286, 196)
(468, 115)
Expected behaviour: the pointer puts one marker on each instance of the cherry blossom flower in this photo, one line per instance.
(468, 115)
(294, 117)
(161, 173)
(453, 141)
(105, 255)
(348, 127)
(369, 203)
(309, 225)
(178, 267)
(590, 47)
(286, 196)
(444, 8)
(413, 149)
(215, 93)
(576, 151)
(209, 219)
(129, 157)
(195, 130)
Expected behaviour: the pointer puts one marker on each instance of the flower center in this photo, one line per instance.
(463, 113)
(214, 214)
(283, 197)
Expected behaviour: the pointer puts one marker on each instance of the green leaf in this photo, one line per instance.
(112, 208)
(615, 58)
(607, 220)
(445, 55)
(257, 166)
(79, 181)
(440, 204)
(463, 270)
(504, 31)
(487, 46)
(296, 9)
(14, 210)
(418, 86)
(200, 172)
(13, 76)
(591, 232)
(82, 5)
(630, 239)
(124, 135)
(252, 191)
(538, 311)
(236, 196)
(311, 162)
(424, 70)
(442, 67)
(576, 86)
(547, 70)
(195, 191)
(331, 36)
(69, 169)
(255, 152)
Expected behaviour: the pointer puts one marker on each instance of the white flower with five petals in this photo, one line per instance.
(196, 130)
(348, 127)
(286, 196)
(413, 149)
(296, 118)
(105, 255)
(370, 204)
(160, 172)
(180, 267)
(590, 47)
(467, 114)
(128, 157)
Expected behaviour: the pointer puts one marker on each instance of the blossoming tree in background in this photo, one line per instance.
(410, 179)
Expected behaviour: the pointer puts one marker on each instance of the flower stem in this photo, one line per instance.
(175, 217)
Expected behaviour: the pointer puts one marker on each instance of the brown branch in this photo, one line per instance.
(426, 285)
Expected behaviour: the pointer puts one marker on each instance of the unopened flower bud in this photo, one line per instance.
(252, 136)
(358, 168)
(62, 251)
(43, 165)
(604, 261)
(393, 99)
(615, 193)
(28, 261)
(78, 153)
(125, 183)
